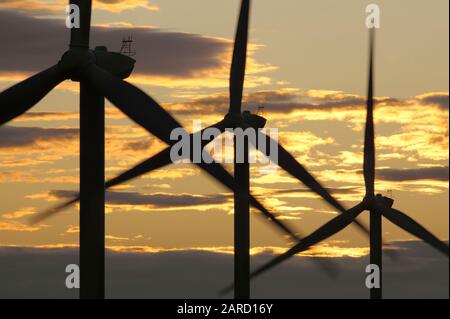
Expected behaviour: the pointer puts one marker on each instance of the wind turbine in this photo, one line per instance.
(245, 120)
(234, 119)
(377, 205)
(100, 74)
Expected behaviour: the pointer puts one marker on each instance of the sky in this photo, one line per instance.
(308, 70)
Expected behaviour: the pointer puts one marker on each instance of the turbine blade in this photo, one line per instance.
(159, 160)
(219, 173)
(294, 168)
(238, 63)
(162, 159)
(326, 231)
(329, 229)
(21, 97)
(369, 137)
(411, 226)
(52, 211)
(133, 102)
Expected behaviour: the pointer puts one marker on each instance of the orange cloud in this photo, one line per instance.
(18, 227)
(57, 7)
(26, 211)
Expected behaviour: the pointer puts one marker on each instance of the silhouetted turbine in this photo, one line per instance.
(377, 205)
(213, 169)
(99, 73)
(232, 120)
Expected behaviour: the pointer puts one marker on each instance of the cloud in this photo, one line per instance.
(23, 212)
(420, 272)
(30, 146)
(421, 143)
(423, 173)
(274, 102)
(73, 230)
(397, 178)
(288, 106)
(125, 145)
(57, 7)
(36, 44)
(122, 5)
(139, 201)
(17, 227)
(163, 200)
(437, 99)
(34, 177)
(28, 52)
(116, 238)
(48, 116)
(20, 136)
(143, 145)
(305, 192)
(34, 6)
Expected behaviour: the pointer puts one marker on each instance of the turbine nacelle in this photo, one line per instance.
(245, 119)
(76, 59)
(370, 201)
(386, 201)
(114, 62)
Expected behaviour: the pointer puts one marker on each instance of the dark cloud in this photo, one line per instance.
(419, 272)
(429, 173)
(437, 99)
(17, 136)
(139, 145)
(157, 200)
(339, 190)
(278, 101)
(281, 103)
(287, 107)
(34, 44)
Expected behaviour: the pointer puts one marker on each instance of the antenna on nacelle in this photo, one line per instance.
(126, 48)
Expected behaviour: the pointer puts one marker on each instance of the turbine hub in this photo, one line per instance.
(75, 60)
(234, 119)
(368, 201)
